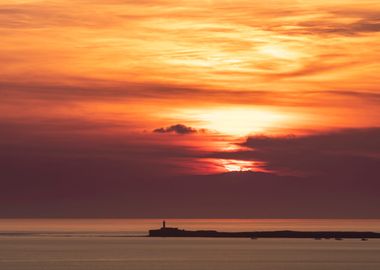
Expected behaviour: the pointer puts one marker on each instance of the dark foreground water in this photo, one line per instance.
(79, 253)
(95, 244)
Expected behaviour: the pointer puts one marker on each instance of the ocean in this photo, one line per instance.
(78, 244)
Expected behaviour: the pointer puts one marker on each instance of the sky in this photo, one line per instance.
(190, 109)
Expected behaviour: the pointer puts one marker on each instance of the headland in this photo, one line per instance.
(338, 235)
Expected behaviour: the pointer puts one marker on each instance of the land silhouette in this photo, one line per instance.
(165, 231)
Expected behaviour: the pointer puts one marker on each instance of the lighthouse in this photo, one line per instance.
(163, 224)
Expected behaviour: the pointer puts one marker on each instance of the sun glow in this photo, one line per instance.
(278, 51)
(231, 165)
(239, 121)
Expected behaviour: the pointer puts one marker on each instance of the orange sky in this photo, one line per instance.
(184, 108)
(232, 68)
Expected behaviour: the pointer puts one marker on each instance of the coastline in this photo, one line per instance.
(338, 235)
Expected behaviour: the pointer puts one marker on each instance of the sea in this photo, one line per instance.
(121, 244)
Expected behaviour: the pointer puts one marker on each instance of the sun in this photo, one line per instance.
(239, 121)
(232, 165)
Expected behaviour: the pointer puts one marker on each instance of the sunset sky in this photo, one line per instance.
(163, 108)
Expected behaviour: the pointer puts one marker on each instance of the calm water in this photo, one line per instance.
(141, 226)
(87, 244)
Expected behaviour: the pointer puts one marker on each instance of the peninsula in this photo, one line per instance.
(338, 235)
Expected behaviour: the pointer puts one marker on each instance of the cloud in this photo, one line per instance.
(49, 172)
(318, 66)
(82, 89)
(369, 96)
(92, 90)
(341, 154)
(361, 26)
(347, 141)
(179, 129)
(71, 188)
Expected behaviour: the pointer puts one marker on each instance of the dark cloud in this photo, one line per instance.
(75, 174)
(96, 188)
(179, 129)
(352, 153)
(360, 141)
